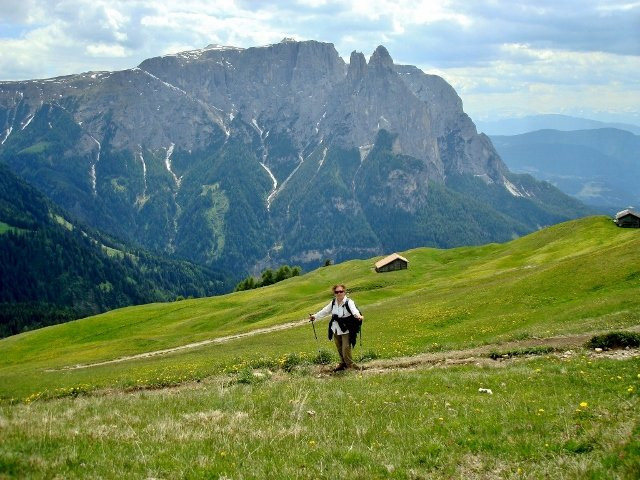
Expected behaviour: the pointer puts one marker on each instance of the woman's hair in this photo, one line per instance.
(333, 289)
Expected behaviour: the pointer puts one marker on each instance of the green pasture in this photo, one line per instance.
(579, 276)
(547, 417)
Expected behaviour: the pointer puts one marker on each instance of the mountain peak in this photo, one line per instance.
(357, 65)
(381, 58)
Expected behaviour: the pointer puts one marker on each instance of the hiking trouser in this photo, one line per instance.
(344, 349)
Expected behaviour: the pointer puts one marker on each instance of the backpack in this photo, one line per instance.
(354, 326)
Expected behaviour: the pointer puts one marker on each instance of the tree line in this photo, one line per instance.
(268, 277)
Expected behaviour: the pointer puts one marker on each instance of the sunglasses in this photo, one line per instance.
(338, 291)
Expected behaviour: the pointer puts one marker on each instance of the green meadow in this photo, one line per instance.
(264, 406)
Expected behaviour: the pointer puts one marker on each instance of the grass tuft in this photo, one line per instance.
(368, 355)
(613, 340)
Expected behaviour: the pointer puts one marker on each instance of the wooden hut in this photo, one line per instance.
(627, 218)
(392, 262)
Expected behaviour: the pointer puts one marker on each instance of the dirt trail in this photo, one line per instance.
(450, 357)
(188, 346)
(564, 346)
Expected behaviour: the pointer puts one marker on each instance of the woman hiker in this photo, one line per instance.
(344, 325)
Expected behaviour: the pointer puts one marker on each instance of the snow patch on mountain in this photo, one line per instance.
(161, 81)
(92, 171)
(27, 122)
(324, 155)
(364, 151)
(513, 190)
(167, 162)
(142, 199)
(286, 180)
(8, 132)
(274, 189)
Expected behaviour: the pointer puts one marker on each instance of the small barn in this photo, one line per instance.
(392, 262)
(627, 218)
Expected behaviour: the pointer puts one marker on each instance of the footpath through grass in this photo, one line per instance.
(549, 417)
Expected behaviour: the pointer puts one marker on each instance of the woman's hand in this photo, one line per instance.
(312, 317)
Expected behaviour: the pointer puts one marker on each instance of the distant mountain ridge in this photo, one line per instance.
(246, 158)
(600, 167)
(530, 123)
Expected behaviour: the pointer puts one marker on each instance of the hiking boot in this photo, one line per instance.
(340, 367)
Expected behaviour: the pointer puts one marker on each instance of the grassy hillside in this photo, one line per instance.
(257, 407)
(578, 276)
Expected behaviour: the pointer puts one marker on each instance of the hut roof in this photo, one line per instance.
(389, 259)
(626, 212)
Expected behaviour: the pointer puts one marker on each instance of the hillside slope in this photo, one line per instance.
(575, 277)
(52, 271)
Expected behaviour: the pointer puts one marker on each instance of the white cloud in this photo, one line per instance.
(102, 50)
(498, 54)
(550, 82)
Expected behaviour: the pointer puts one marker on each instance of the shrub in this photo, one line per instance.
(290, 361)
(323, 357)
(614, 340)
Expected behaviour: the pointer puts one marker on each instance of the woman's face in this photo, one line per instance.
(339, 292)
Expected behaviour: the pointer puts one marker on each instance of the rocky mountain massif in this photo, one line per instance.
(246, 158)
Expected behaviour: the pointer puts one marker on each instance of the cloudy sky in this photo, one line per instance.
(504, 57)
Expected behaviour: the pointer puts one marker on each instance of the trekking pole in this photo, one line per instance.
(315, 334)
(314, 328)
